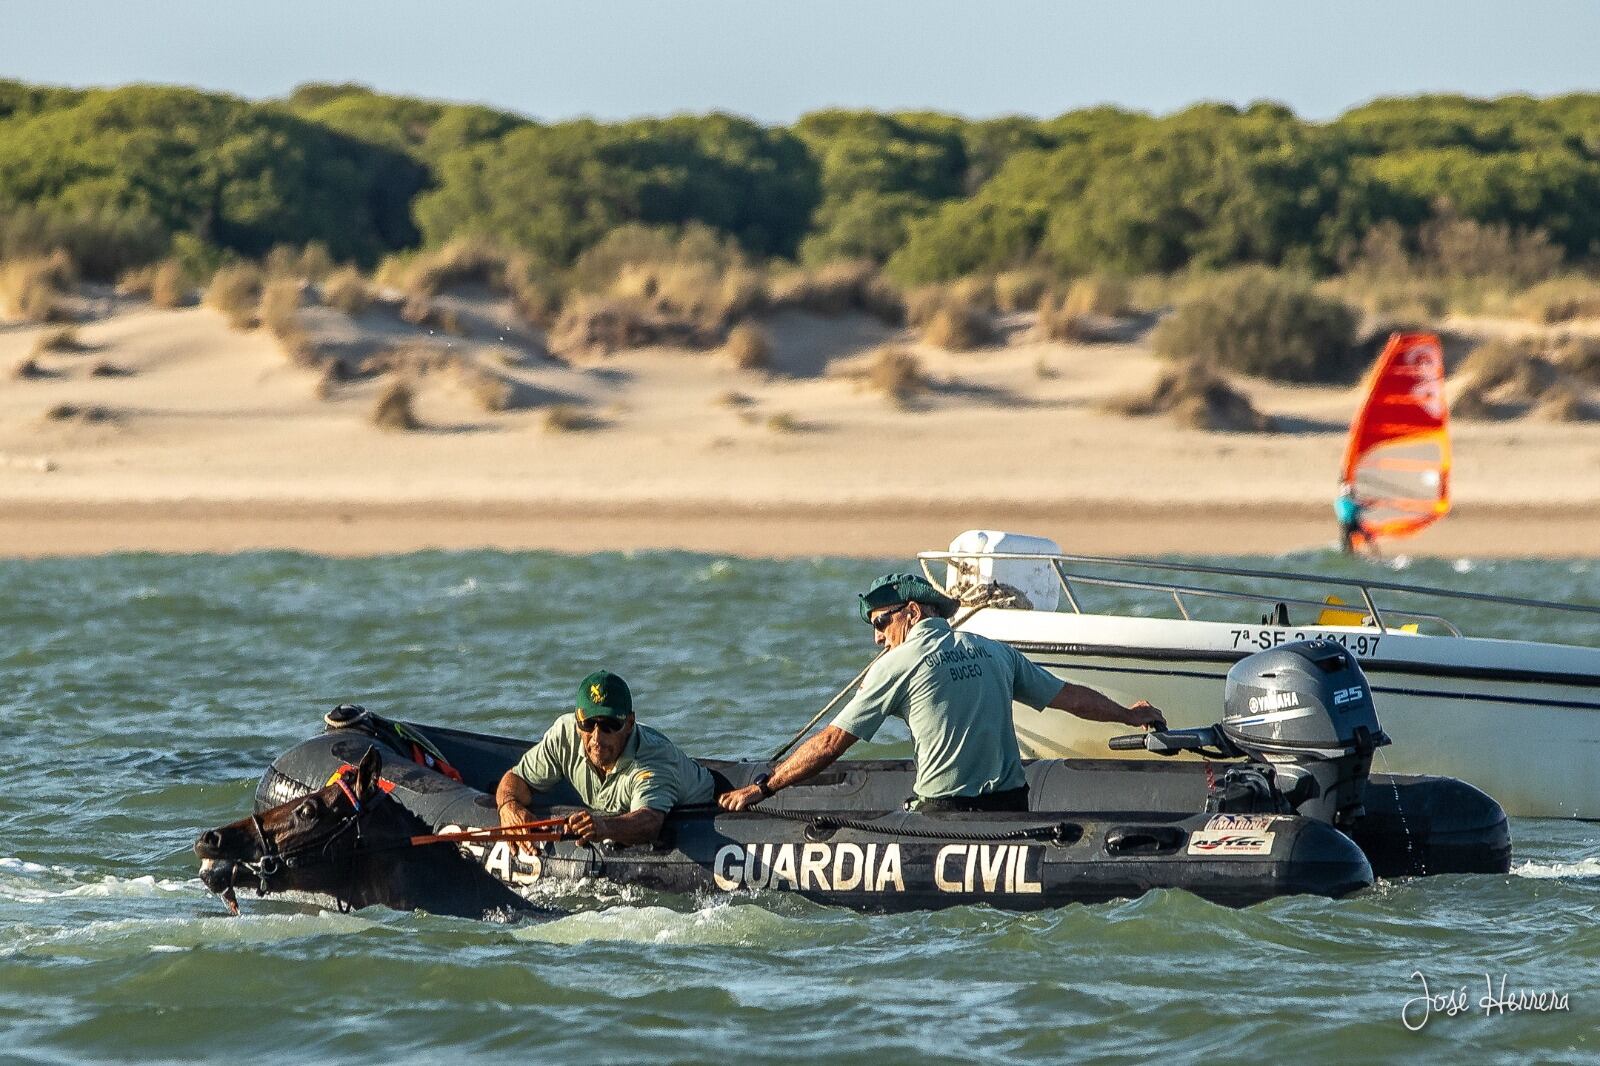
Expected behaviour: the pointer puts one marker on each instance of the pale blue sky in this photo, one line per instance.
(772, 61)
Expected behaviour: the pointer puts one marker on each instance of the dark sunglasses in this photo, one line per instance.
(881, 622)
(605, 724)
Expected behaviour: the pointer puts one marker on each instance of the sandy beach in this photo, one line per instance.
(207, 439)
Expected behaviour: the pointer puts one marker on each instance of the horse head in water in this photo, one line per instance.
(351, 841)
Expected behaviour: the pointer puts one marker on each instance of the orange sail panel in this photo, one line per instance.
(1398, 456)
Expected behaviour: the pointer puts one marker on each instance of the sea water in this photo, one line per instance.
(141, 696)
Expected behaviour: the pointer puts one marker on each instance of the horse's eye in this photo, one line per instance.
(309, 808)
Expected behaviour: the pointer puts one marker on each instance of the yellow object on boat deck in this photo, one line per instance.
(1332, 617)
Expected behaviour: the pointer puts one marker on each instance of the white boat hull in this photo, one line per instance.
(1518, 719)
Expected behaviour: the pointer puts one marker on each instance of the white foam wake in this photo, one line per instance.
(1589, 867)
(720, 923)
(22, 881)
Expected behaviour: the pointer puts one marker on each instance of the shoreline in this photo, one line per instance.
(38, 528)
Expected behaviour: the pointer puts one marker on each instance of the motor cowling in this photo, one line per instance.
(1306, 709)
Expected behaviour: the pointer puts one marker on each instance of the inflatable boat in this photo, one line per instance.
(1286, 805)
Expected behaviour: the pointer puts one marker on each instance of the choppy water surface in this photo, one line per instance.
(140, 697)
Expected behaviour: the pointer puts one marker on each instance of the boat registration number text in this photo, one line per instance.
(1262, 639)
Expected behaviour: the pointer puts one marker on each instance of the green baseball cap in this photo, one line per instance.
(891, 590)
(604, 695)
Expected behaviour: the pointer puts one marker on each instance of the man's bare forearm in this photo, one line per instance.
(811, 758)
(636, 827)
(511, 799)
(1094, 706)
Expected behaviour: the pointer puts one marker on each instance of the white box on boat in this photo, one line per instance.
(1034, 578)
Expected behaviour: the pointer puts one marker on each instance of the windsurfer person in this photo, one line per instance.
(1347, 508)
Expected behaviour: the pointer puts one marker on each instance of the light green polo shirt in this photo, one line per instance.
(651, 772)
(954, 690)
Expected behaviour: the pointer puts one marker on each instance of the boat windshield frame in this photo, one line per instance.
(1375, 617)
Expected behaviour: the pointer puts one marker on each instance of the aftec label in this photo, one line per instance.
(1229, 842)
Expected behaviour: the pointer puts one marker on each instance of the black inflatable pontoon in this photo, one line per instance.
(1302, 815)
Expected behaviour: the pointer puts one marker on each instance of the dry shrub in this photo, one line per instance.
(164, 284)
(311, 263)
(109, 370)
(411, 359)
(1514, 371)
(1057, 323)
(346, 290)
(394, 409)
(1020, 290)
(1198, 397)
(316, 262)
(280, 313)
(1563, 402)
(31, 290)
(425, 314)
(101, 241)
(30, 369)
(1451, 246)
(566, 418)
(489, 390)
(897, 374)
(1580, 357)
(923, 302)
(1421, 300)
(332, 375)
(303, 351)
(732, 398)
(783, 422)
(535, 299)
(1530, 382)
(1496, 360)
(699, 292)
(77, 412)
(1266, 323)
(281, 262)
(1560, 300)
(1044, 370)
(59, 340)
(836, 288)
(1097, 294)
(748, 347)
(460, 262)
(597, 325)
(1472, 404)
(280, 306)
(959, 327)
(235, 292)
(891, 370)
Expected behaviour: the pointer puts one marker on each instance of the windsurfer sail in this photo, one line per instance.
(1396, 476)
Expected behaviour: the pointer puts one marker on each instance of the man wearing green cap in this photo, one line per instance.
(955, 691)
(631, 772)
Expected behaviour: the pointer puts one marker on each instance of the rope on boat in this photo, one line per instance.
(827, 824)
(783, 749)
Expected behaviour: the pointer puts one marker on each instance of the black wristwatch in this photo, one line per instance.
(761, 783)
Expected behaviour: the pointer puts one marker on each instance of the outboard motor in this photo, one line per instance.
(1306, 709)
(1302, 713)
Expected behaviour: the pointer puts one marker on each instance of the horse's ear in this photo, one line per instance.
(367, 772)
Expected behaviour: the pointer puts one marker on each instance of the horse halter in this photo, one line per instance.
(274, 862)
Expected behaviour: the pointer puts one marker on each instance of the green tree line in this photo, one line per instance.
(123, 176)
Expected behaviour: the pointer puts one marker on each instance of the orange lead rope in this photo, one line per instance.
(547, 829)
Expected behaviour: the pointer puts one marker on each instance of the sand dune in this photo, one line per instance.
(216, 441)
